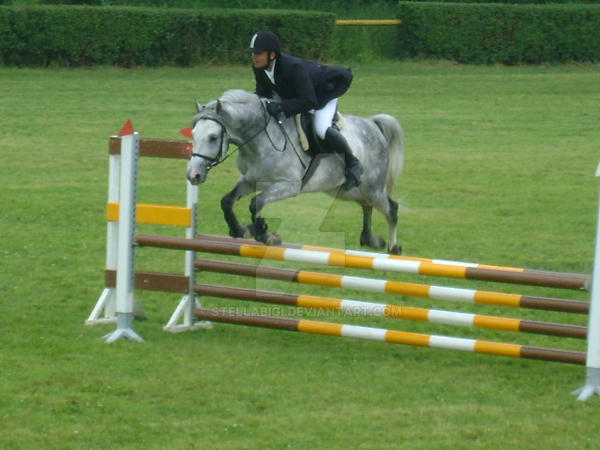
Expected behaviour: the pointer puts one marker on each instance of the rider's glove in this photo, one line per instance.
(274, 108)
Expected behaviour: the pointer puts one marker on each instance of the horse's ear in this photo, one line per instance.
(199, 106)
(219, 107)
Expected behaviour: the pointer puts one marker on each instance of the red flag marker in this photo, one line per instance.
(187, 132)
(127, 129)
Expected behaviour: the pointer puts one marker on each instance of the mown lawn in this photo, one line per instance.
(500, 165)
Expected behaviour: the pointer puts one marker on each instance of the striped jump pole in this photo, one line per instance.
(393, 311)
(394, 287)
(350, 282)
(440, 267)
(393, 336)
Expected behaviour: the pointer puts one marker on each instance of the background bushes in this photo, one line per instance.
(479, 33)
(86, 35)
(338, 6)
(490, 33)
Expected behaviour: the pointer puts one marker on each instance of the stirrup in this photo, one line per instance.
(351, 182)
(353, 173)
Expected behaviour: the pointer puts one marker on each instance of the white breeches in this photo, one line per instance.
(323, 118)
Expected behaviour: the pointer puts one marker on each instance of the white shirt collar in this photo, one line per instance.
(271, 73)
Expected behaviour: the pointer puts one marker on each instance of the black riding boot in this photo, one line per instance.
(353, 168)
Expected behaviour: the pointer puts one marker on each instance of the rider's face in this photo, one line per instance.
(261, 60)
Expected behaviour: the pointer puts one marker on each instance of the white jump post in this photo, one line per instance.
(104, 311)
(592, 382)
(183, 318)
(105, 308)
(130, 145)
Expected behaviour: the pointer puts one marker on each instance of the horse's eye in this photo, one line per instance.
(212, 137)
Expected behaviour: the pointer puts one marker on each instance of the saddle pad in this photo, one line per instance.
(338, 121)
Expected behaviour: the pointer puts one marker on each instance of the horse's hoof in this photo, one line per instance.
(273, 239)
(395, 250)
(248, 232)
(376, 242)
(268, 238)
(244, 231)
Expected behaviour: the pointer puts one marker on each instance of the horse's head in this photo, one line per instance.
(216, 123)
(210, 140)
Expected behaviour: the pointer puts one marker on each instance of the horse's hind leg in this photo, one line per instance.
(392, 219)
(366, 236)
(389, 208)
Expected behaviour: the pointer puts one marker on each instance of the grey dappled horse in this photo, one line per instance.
(272, 161)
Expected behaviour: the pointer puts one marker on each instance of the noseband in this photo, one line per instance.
(213, 161)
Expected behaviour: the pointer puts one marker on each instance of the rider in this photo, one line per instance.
(304, 85)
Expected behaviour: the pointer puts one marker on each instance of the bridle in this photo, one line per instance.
(213, 160)
(224, 144)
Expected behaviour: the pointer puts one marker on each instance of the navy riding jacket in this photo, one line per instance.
(303, 85)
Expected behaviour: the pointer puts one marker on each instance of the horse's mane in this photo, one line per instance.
(238, 96)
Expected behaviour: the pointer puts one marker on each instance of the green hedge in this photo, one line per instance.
(490, 33)
(315, 5)
(86, 35)
(519, 2)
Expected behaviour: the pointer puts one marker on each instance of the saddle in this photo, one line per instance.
(309, 141)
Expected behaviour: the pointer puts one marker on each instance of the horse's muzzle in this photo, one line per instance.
(195, 177)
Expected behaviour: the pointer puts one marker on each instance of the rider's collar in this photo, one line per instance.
(271, 73)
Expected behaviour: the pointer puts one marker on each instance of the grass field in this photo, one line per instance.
(500, 166)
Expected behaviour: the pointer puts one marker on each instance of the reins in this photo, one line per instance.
(215, 161)
(285, 135)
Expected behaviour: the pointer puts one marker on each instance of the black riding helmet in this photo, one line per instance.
(264, 41)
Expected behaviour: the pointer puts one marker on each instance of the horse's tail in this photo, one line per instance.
(394, 135)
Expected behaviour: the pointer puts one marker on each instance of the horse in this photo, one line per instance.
(270, 160)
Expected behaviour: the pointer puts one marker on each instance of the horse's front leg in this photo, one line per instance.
(242, 188)
(277, 191)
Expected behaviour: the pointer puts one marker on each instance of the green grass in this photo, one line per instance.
(500, 166)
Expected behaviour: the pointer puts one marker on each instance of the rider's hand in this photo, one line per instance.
(274, 108)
